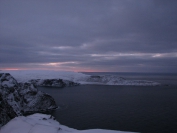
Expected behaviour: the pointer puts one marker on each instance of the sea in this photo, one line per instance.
(146, 109)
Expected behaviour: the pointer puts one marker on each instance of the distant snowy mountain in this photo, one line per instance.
(41, 78)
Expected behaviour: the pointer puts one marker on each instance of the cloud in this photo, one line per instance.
(95, 34)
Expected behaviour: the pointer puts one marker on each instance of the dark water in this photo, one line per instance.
(126, 108)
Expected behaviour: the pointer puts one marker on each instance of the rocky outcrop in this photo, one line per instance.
(21, 98)
(53, 82)
(6, 111)
(9, 93)
(34, 100)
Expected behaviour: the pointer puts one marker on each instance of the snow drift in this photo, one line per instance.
(41, 123)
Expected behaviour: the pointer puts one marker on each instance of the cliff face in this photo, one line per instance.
(9, 93)
(21, 98)
(6, 111)
(53, 82)
(34, 100)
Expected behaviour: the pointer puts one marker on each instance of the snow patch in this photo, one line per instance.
(41, 123)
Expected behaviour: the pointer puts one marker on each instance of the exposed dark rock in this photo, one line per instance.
(53, 82)
(38, 102)
(6, 112)
(95, 76)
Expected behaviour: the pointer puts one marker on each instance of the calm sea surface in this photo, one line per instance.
(126, 108)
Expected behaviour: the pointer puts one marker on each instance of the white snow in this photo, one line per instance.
(41, 123)
(26, 75)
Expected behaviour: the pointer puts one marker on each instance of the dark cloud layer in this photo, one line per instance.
(93, 35)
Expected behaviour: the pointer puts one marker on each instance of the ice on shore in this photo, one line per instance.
(42, 123)
(27, 75)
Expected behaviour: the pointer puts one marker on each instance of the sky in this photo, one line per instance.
(89, 35)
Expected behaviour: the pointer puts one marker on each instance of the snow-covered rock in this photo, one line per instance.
(49, 78)
(41, 123)
(38, 102)
(19, 99)
(8, 90)
(116, 80)
(34, 100)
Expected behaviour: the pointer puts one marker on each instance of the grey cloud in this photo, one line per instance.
(29, 28)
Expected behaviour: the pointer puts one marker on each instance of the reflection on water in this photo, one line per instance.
(126, 108)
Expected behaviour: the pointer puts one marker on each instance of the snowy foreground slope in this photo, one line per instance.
(40, 75)
(41, 123)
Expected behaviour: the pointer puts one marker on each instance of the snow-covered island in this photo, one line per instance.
(48, 78)
(19, 96)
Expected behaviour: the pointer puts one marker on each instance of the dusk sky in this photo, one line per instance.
(89, 35)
